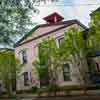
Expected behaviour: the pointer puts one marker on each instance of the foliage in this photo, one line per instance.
(53, 88)
(8, 69)
(91, 65)
(74, 48)
(14, 19)
(34, 89)
(28, 91)
(49, 54)
(71, 88)
(74, 42)
(41, 69)
(80, 87)
(93, 37)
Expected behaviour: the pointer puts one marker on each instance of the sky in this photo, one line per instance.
(69, 9)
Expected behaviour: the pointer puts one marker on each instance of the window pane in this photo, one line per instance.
(66, 72)
(26, 78)
(24, 56)
(66, 76)
(60, 40)
(66, 68)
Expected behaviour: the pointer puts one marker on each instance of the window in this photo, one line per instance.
(66, 72)
(60, 40)
(97, 66)
(26, 79)
(24, 57)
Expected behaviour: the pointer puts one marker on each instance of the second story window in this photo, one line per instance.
(24, 57)
(60, 40)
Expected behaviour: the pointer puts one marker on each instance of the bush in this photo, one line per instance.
(93, 87)
(42, 89)
(53, 88)
(34, 89)
(80, 87)
(69, 88)
(24, 91)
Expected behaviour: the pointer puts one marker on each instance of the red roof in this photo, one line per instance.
(52, 18)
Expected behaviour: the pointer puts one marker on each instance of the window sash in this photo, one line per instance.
(24, 56)
(66, 72)
(60, 40)
(66, 76)
(26, 78)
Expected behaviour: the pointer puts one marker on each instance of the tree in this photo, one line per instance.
(9, 67)
(75, 48)
(93, 36)
(15, 19)
(48, 53)
(42, 72)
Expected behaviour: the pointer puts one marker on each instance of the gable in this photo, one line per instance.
(40, 31)
(46, 29)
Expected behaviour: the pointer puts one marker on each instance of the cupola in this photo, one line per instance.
(53, 18)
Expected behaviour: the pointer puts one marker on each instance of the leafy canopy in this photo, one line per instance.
(14, 19)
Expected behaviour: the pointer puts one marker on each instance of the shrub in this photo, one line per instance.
(34, 89)
(53, 88)
(24, 91)
(70, 88)
(93, 87)
(42, 89)
(80, 87)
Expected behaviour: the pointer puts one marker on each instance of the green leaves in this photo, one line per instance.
(93, 39)
(74, 42)
(14, 19)
(9, 68)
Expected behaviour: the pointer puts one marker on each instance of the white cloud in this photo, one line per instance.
(44, 11)
(69, 12)
(82, 12)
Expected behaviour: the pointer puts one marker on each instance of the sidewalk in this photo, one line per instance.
(72, 93)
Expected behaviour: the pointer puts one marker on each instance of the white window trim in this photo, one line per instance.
(20, 54)
(57, 39)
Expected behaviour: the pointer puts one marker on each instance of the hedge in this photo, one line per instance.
(54, 88)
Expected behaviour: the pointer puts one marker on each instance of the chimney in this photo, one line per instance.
(53, 18)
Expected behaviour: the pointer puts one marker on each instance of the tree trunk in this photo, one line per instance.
(8, 86)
